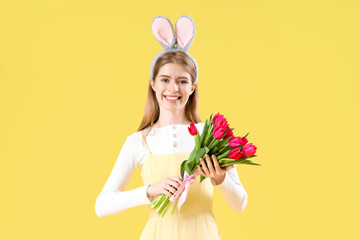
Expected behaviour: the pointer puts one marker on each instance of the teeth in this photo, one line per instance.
(172, 98)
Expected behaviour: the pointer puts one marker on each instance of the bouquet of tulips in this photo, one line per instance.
(216, 139)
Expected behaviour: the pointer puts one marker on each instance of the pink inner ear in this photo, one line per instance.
(184, 31)
(163, 31)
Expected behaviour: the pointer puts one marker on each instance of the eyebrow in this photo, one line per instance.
(170, 77)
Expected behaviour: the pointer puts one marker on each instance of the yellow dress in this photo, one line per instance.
(196, 219)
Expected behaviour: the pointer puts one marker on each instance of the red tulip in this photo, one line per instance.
(235, 154)
(218, 133)
(219, 119)
(219, 127)
(244, 141)
(235, 142)
(192, 129)
(215, 117)
(248, 149)
(229, 133)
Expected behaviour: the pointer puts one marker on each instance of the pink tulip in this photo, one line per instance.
(235, 154)
(192, 129)
(218, 133)
(235, 142)
(219, 120)
(215, 117)
(248, 150)
(229, 133)
(220, 126)
(244, 141)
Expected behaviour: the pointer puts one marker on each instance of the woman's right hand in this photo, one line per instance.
(167, 186)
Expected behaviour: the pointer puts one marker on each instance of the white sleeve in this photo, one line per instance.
(233, 191)
(113, 199)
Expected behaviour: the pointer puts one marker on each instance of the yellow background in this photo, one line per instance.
(73, 83)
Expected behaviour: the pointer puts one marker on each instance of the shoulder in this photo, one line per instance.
(136, 144)
(137, 137)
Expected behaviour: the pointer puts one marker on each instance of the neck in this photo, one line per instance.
(168, 118)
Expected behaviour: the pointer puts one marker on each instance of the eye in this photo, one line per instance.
(164, 79)
(184, 82)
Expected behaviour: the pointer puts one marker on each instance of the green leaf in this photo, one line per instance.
(206, 149)
(249, 162)
(182, 169)
(204, 133)
(214, 144)
(197, 141)
(192, 155)
(202, 178)
(208, 139)
(189, 167)
(211, 128)
(223, 155)
(224, 142)
(211, 117)
(226, 148)
(225, 164)
(215, 151)
(198, 155)
(227, 159)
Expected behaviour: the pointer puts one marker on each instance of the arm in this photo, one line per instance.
(233, 191)
(113, 199)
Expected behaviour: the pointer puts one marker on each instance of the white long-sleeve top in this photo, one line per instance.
(169, 139)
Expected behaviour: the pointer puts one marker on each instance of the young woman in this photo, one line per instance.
(160, 144)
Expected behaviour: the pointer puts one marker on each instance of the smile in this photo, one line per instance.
(173, 98)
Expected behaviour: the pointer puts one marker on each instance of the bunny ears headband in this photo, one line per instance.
(179, 40)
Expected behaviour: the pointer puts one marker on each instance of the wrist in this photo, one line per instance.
(148, 192)
(219, 181)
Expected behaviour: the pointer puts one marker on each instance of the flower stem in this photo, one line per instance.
(174, 206)
(161, 207)
(168, 204)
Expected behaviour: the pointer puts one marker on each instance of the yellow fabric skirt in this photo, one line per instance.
(195, 219)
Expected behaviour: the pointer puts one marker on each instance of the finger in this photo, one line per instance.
(201, 171)
(170, 189)
(166, 192)
(210, 164)
(173, 184)
(204, 167)
(176, 178)
(216, 164)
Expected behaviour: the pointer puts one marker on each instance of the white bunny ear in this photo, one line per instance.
(184, 32)
(163, 31)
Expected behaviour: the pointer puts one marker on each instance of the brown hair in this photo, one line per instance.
(152, 109)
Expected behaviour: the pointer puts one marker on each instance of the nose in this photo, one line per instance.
(174, 87)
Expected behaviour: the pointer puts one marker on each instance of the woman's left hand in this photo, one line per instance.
(213, 171)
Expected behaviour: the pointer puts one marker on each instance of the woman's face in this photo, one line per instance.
(172, 82)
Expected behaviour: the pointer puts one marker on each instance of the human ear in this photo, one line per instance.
(152, 84)
(193, 87)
